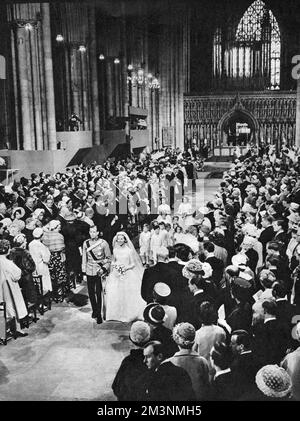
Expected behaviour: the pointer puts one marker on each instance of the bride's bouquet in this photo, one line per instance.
(120, 269)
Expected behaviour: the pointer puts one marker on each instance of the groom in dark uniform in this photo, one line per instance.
(96, 259)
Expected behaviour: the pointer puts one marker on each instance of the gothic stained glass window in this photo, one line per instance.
(249, 56)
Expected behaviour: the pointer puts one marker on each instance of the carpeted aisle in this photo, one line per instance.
(66, 356)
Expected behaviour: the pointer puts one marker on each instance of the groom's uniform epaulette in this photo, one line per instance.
(94, 254)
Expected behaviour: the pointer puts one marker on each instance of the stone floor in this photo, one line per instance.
(66, 355)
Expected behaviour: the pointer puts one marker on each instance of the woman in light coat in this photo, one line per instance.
(10, 291)
(41, 256)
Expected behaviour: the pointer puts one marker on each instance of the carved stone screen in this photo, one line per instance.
(271, 115)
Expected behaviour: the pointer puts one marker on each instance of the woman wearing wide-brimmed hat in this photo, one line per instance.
(273, 383)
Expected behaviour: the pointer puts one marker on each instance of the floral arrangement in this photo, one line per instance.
(120, 269)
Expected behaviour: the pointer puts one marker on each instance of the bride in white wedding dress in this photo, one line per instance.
(123, 286)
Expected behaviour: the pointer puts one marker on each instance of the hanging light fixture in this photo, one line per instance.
(116, 61)
(82, 48)
(28, 26)
(101, 57)
(130, 67)
(59, 38)
(154, 83)
(140, 77)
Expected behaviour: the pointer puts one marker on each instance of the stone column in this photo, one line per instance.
(49, 76)
(36, 90)
(24, 88)
(42, 88)
(84, 92)
(124, 71)
(30, 86)
(116, 72)
(109, 88)
(15, 86)
(75, 84)
(94, 79)
(297, 140)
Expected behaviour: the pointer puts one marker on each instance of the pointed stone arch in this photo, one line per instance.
(238, 108)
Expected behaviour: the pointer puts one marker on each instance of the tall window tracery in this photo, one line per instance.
(248, 56)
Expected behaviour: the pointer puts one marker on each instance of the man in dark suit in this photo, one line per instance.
(280, 234)
(164, 381)
(178, 257)
(51, 211)
(239, 311)
(198, 288)
(210, 215)
(132, 367)
(78, 198)
(29, 208)
(161, 272)
(223, 382)
(244, 367)
(216, 264)
(285, 310)
(267, 233)
(271, 339)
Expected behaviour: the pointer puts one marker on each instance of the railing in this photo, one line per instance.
(9, 175)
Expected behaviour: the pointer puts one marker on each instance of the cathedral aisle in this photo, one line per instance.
(66, 355)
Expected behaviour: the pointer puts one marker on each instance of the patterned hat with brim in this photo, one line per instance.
(139, 333)
(184, 334)
(192, 268)
(154, 314)
(273, 381)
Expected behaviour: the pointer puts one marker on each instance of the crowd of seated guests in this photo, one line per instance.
(230, 305)
(45, 219)
(222, 298)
